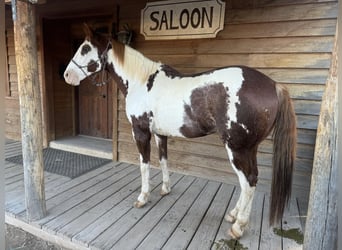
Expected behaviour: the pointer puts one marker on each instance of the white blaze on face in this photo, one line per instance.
(77, 68)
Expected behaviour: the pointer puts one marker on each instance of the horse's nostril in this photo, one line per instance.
(66, 74)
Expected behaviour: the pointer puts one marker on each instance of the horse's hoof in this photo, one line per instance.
(230, 218)
(237, 229)
(138, 204)
(166, 189)
(163, 192)
(234, 234)
(142, 200)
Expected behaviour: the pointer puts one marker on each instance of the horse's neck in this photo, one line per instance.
(134, 69)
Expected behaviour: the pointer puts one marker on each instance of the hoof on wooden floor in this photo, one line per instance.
(166, 189)
(139, 204)
(236, 231)
(163, 193)
(233, 234)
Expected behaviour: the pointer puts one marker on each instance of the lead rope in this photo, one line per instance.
(104, 58)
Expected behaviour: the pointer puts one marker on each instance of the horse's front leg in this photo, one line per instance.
(142, 138)
(161, 142)
(145, 185)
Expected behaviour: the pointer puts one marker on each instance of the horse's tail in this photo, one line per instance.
(284, 154)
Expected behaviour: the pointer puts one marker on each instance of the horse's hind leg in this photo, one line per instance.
(161, 142)
(244, 165)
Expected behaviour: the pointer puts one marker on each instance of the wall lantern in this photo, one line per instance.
(125, 36)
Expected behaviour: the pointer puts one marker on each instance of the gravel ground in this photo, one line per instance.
(18, 239)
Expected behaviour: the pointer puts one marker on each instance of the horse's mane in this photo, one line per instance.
(134, 65)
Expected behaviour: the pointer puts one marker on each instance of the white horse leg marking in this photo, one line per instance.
(247, 194)
(145, 184)
(166, 188)
(232, 215)
(240, 214)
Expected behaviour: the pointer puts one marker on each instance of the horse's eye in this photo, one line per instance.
(85, 49)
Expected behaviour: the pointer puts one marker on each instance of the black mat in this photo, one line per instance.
(66, 163)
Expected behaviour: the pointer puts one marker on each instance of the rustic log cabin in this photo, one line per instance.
(289, 41)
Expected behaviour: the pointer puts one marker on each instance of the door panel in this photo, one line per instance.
(95, 109)
(60, 109)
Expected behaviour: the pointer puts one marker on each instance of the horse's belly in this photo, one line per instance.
(168, 122)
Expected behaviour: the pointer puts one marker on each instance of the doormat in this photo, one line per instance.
(65, 163)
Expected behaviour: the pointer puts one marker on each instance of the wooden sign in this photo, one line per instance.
(181, 19)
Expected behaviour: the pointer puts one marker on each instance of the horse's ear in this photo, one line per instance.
(87, 30)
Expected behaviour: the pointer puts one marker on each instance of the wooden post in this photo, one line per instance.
(3, 73)
(115, 136)
(30, 107)
(321, 223)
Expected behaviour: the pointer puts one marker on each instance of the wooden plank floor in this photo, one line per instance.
(94, 211)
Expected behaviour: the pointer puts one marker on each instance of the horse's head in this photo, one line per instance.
(89, 58)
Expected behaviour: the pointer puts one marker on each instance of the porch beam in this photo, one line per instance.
(30, 107)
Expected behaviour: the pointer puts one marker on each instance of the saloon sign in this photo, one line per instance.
(181, 19)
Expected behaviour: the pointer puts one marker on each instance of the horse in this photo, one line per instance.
(239, 103)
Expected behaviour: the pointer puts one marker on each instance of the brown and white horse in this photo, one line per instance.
(239, 103)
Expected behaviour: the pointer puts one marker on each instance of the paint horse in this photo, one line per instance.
(239, 103)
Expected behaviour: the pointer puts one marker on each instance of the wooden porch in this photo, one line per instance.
(94, 211)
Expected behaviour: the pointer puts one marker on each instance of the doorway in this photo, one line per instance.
(83, 110)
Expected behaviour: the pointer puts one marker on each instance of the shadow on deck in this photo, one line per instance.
(94, 211)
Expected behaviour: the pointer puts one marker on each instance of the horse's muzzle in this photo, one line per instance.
(71, 77)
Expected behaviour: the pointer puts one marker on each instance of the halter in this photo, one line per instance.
(103, 61)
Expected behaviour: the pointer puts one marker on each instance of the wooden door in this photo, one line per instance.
(58, 96)
(95, 109)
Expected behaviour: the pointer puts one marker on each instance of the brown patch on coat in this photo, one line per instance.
(256, 112)
(85, 49)
(246, 161)
(150, 80)
(258, 104)
(92, 66)
(123, 86)
(172, 73)
(142, 135)
(162, 147)
(206, 112)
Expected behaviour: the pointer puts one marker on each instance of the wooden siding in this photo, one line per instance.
(12, 111)
(290, 41)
